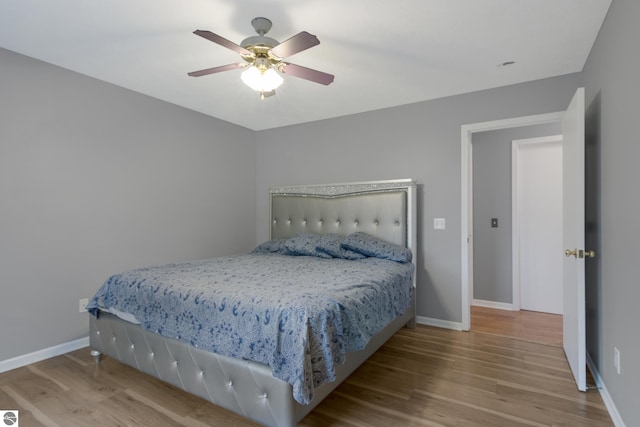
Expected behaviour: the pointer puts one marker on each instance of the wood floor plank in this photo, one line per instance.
(529, 396)
(423, 377)
(555, 386)
(8, 401)
(474, 414)
(71, 409)
(32, 387)
(125, 409)
(493, 403)
(524, 325)
(382, 409)
(29, 407)
(71, 376)
(212, 415)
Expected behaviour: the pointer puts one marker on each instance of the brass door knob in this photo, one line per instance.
(580, 253)
(587, 254)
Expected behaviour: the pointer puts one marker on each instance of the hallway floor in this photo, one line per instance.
(543, 328)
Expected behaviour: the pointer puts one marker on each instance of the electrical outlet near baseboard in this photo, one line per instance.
(82, 305)
(616, 359)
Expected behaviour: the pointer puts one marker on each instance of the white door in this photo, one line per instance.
(538, 224)
(574, 335)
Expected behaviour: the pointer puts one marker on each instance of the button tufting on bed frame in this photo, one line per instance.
(379, 214)
(223, 380)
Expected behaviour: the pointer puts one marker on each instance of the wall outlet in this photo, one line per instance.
(616, 359)
(82, 305)
(439, 224)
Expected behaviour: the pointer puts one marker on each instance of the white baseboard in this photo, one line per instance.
(47, 353)
(447, 324)
(493, 304)
(606, 397)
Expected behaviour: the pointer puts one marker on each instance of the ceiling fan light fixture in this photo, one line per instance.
(261, 81)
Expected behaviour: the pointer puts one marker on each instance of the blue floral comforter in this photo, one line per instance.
(297, 314)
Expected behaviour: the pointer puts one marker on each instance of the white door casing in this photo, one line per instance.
(574, 329)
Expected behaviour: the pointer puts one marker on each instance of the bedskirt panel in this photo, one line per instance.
(244, 387)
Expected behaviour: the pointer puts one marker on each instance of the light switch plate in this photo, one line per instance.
(439, 224)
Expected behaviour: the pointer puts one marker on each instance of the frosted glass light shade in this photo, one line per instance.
(261, 82)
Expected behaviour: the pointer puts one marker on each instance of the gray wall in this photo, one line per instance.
(95, 179)
(492, 272)
(612, 155)
(420, 141)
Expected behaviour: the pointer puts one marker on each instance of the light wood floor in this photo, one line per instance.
(524, 325)
(421, 377)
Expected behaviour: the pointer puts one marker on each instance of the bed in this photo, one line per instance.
(278, 379)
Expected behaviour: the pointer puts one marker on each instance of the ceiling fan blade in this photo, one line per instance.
(295, 44)
(216, 69)
(307, 74)
(222, 41)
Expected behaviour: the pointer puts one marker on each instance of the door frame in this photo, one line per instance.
(516, 145)
(466, 213)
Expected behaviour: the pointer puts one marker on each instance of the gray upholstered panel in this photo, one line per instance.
(244, 387)
(380, 214)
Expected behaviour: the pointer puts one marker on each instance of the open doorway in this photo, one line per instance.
(517, 232)
(468, 133)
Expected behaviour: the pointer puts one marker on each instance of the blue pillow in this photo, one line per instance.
(270, 246)
(370, 246)
(331, 244)
(304, 244)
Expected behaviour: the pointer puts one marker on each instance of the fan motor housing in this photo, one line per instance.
(259, 41)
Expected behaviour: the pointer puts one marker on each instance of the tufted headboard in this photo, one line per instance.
(385, 209)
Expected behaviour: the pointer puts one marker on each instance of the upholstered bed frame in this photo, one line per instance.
(386, 209)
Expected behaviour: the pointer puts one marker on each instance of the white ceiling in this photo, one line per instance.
(383, 53)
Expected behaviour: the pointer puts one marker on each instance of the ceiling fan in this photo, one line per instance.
(263, 56)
